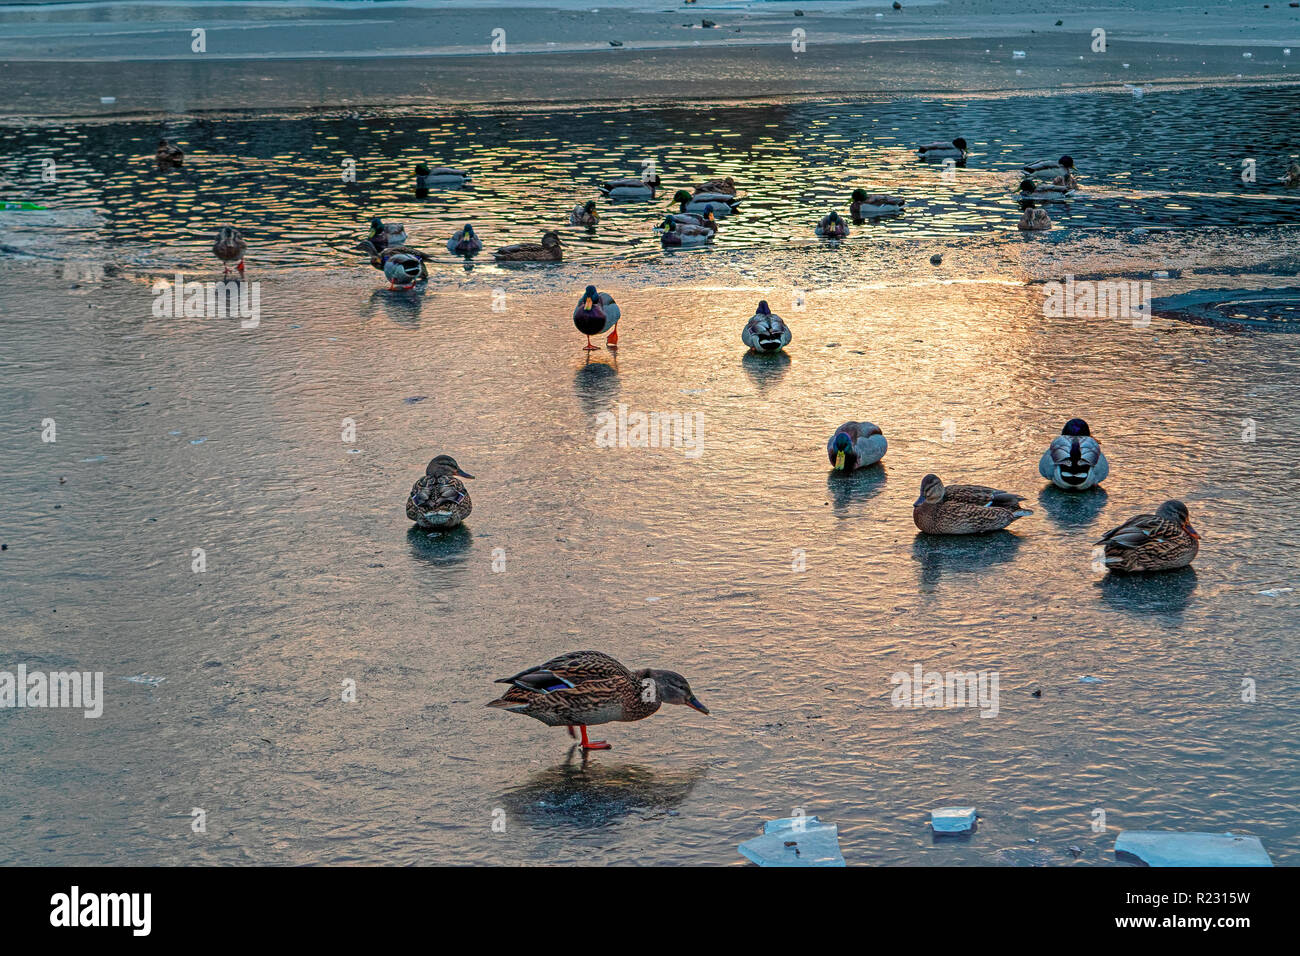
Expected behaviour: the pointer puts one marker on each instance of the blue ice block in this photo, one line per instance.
(783, 843)
(952, 819)
(1173, 848)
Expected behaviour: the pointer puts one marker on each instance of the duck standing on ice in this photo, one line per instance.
(596, 314)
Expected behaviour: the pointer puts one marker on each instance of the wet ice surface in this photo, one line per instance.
(660, 559)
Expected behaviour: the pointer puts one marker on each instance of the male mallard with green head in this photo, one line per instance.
(584, 214)
(596, 314)
(856, 445)
(548, 250)
(832, 226)
(1160, 542)
(584, 688)
(439, 501)
(865, 205)
(964, 509)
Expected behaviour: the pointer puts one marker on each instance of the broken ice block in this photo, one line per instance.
(952, 819)
(1172, 848)
(795, 841)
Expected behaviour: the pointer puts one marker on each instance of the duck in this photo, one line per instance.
(1152, 542)
(631, 188)
(1074, 460)
(169, 154)
(402, 265)
(941, 150)
(766, 332)
(696, 204)
(1045, 192)
(964, 509)
(1068, 180)
(584, 688)
(677, 234)
(548, 250)
(439, 176)
(383, 235)
(596, 314)
(856, 445)
(726, 185)
(832, 226)
(438, 500)
(702, 220)
(464, 242)
(584, 214)
(229, 247)
(1292, 177)
(1035, 220)
(1047, 168)
(864, 205)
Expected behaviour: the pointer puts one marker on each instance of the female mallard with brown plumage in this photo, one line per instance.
(229, 247)
(169, 154)
(439, 501)
(584, 688)
(964, 509)
(726, 185)
(1159, 542)
(548, 250)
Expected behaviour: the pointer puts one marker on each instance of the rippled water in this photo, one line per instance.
(183, 434)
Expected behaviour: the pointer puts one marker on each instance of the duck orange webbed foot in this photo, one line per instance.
(612, 340)
(589, 347)
(592, 744)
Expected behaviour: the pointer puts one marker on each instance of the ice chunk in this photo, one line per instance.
(795, 841)
(952, 819)
(1172, 848)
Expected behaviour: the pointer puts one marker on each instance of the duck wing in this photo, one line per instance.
(1139, 530)
(981, 496)
(569, 670)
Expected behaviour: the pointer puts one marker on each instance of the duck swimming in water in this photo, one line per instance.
(596, 314)
(766, 332)
(168, 154)
(1163, 541)
(230, 247)
(964, 509)
(1046, 168)
(1074, 460)
(584, 214)
(1292, 177)
(584, 688)
(939, 151)
(382, 235)
(464, 242)
(631, 188)
(832, 226)
(1045, 192)
(718, 208)
(856, 445)
(548, 250)
(726, 186)
(677, 234)
(438, 501)
(864, 205)
(1035, 220)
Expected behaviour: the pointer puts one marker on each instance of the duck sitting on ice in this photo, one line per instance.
(401, 265)
(832, 226)
(230, 247)
(766, 332)
(1074, 460)
(464, 242)
(856, 445)
(939, 151)
(864, 205)
(596, 314)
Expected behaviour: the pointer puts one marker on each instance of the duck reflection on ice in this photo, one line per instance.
(591, 793)
(596, 384)
(1072, 509)
(765, 369)
(846, 488)
(961, 553)
(1144, 594)
(442, 548)
(400, 306)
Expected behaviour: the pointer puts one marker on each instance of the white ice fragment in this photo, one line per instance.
(1086, 679)
(106, 100)
(795, 841)
(1274, 592)
(952, 819)
(1247, 56)
(1161, 274)
(1018, 54)
(1170, 848)
(145, 679)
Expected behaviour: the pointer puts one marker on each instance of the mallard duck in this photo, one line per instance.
(856, 445)
(1159, 542)
(583, 688)
(1048, 169)
(702, 220)
(832, 226)
(596, 314)
(631, 188)
(382, 235)
(766, 331)
(1074, 460)
(402, 265)
(939, 151)
(548, 250)
(439, 176)
(964, 509)
(686, 203)
(1068, 180)
(464, 242)
(864, 205)
(676, 234)
(1034, 220)
(726, 186)
(1045, 192)
(169, 154)
(1292, 177)
(439, 501)
(584, 214)
(229, 247)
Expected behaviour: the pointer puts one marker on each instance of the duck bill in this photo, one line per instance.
(839, 460)
(1191, 531)
(463, 474)
(694, 702)
(918, 502)
(586, 303)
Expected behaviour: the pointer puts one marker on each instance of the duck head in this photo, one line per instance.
(445, 465)
(1065, 162)
(681, 197)
(843, 446)
(763, 307)
(859, 195)
(1076, 428)
(550, 240)
(421, 169)
(1176, 512)
(589, 206)
(1026, 186)
(589, 298)
(931, 491)
(467, 233)
(960, 143)
(669, 224)
(671, 688)
(834, 217)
